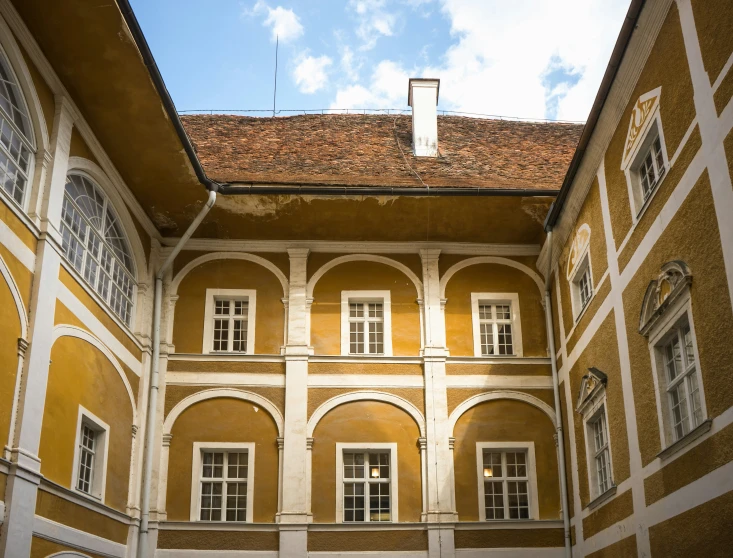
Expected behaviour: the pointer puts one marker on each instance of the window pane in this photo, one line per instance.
(602, 471)
(379, 498)
(518, 499)
(376, 338)
(484, 311)
(239, 336)
(494, 499)
(673, 358)
(689, 350)
(487, 339)
(356, 310)
(505, 339)
(503, 312)
(694, 390)
(354, 502)
(221, 334)
(680, 419)
(492, 464)
(356, 338)
(236, 501)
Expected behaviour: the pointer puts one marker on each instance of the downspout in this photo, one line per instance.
(153, 396)
(558, 408)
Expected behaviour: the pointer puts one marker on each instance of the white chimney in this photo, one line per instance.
(423, 98)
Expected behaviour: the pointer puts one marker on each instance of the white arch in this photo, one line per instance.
(229, 256)
(10, 49)
(80, 165)
(395, 400)
(363, 258)
(228, 393)
(490, 260)
(494, 395)
(15, 292)
(73, 331)
(65, 553)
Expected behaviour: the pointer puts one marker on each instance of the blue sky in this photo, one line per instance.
(520, 58)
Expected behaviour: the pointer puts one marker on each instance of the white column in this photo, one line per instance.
(439, 463)
(22, 484)
(294, 514)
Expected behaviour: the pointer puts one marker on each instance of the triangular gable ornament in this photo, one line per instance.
(591, 386)
(577, 249)
(641, 117)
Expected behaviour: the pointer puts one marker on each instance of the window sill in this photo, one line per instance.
(607, 495)
(686, 440)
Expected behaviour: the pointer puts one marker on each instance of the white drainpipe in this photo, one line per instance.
(558, 408)
(153, 398)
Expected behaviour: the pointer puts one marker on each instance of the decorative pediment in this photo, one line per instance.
(672, 280)
(591, 387)
(580, 243)
(640, 119)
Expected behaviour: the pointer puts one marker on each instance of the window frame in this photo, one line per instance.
(679, 311)
(101, 453)
(503, 447)
(196, 474)
(651, 131)
(393, 481)
(516, 322)
(209, 312)
(366, 296)
(29, 141)
(583, 267)
(107, 207)
(593, 412)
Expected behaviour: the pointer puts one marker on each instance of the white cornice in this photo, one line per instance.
(338, 247)
(24, 37)
(637, 52)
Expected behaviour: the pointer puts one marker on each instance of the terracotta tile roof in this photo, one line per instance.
(362, 150)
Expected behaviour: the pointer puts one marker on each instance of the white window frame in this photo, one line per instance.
(227, 447)
(590, 415)
(230, 294)
(366, 296)
(101, 452)
(652, 130)
(516, 322)
(366, 448)
(534, 512)
(680, 309)
(584, 266)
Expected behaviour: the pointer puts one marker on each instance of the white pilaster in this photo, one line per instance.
(294, 513)
(20, 497)
(439, 463)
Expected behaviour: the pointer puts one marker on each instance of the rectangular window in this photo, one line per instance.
(652, 169)
(230, 325)
(229, 321)
(366, 486)
(581, 285)
(366, 323)
(598, 434)
(682, 385)
(87, 445)
(90, 455)
(223, 485)
(495, 321)
(506, 484)
(366, 328)
(496, 324)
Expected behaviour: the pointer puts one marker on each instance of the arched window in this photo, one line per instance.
(16, 144)
(96, 245)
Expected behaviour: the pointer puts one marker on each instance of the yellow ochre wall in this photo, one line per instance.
(504, 421)
(357, 276)
(188, 329)
(223, 420)
(80, 374)
(493, 278)
(9, 333)
(366, 422)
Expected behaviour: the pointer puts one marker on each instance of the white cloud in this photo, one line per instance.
(311, 73)
(502, 57)
(387, 89)
(373, 21)
(283, 22)
(349, 66)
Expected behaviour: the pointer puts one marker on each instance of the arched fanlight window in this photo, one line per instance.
(96, 245)
(16, 143)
